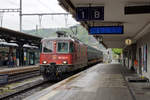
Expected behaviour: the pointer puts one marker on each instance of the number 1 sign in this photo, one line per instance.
(89, 13)
(82, 13)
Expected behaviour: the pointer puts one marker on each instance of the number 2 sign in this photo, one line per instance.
(89, 13)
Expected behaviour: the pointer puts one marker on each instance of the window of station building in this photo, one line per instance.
(37, 56)
(144, 58)
(4, 51)
(47, 46)
(31, 58)
(62, 47)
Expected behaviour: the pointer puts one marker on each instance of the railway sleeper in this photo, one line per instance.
(20, 76)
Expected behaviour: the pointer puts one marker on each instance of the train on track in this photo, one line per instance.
(64, 55)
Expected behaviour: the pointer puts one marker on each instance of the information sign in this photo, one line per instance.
(89, 13)
(97, 13)
(106, 30)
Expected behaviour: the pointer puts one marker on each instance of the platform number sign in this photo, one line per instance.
(82, 13)
(97, 13)
(89, 13)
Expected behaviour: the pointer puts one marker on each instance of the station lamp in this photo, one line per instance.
(128, 41)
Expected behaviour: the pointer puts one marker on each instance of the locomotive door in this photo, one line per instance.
(72, 51)
(75, 53)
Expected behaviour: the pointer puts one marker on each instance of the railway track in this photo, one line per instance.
(21, 76)
(28, 89)
(24, 89)
(17, 77)
(11, 92)
(16, 74)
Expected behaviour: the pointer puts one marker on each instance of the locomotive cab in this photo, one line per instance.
(58, 52)
(56, 56)
(63, 55)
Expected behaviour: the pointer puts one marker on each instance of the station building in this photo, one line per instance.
(137, 56)
(18, 49)
(132, 16)
(30, 54)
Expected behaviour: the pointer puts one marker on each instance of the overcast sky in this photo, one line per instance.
(11, 20)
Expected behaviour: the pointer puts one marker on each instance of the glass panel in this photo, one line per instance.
(47, 46)
(71, 47)
(31, 58)
(62, 47)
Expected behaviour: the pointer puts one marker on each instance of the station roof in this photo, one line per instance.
(134, 15)
(18, 37)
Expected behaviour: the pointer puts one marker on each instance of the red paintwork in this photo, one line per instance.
(78, 57)
(55, 58)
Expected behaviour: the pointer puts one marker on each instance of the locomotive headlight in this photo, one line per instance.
(65, 62)
(44, 62)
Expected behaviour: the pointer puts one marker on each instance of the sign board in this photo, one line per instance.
(106, 30)
(90, 13)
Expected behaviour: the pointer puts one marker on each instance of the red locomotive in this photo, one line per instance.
(61, 55)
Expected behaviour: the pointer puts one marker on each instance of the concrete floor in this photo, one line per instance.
(100, 82)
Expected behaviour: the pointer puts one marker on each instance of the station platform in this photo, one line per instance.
(101, 82)
(19, 69)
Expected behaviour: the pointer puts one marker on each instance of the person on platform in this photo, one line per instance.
(11, 61)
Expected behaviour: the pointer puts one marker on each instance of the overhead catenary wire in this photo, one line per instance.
(56, 20)
(44, 5)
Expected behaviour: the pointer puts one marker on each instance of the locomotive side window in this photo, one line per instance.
(62, 47)
(71, 47)
(47, 46)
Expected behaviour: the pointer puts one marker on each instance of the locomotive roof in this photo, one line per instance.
(58, 38)
(67, 39)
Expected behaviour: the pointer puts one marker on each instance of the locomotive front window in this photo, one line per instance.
(47, 46)
(62, 47)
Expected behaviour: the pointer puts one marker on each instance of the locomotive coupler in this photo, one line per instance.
(48, 68)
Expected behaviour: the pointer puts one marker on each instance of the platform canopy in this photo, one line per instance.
(133, 15)
(19, 37)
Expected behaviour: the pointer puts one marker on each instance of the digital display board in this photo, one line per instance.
(106, 30)
(90, 13)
